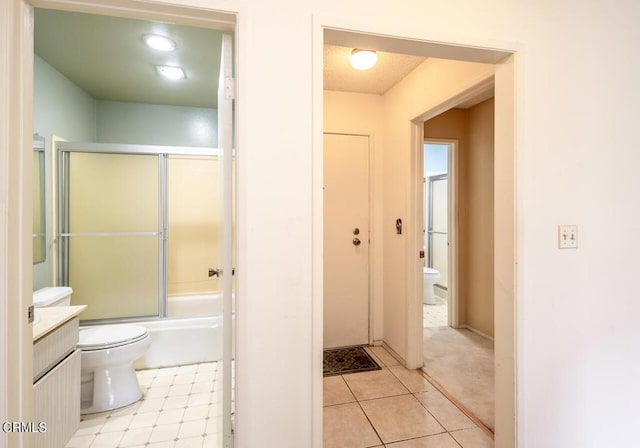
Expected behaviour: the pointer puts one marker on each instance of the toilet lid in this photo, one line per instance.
(109, 336)
(430, 271)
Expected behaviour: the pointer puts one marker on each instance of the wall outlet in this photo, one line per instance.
(567, 237)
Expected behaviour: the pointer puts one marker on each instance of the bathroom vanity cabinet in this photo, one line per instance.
(56, 375)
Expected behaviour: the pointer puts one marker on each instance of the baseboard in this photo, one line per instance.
(394, 354)
(478, 332)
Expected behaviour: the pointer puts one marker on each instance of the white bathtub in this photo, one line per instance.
(180, 340)
(194, 305)
(176, 342)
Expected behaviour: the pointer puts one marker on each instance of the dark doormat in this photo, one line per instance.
(338, 361)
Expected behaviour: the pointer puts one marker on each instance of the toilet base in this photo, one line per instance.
(429, 297)
(431, 276)
(105, 389)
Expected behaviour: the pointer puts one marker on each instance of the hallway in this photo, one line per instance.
(462, 362)
(393, 407)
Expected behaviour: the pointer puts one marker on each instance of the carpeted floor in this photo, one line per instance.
(463, 363)
(339, 361)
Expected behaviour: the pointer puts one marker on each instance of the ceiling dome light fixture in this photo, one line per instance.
(158, 42)
(363, 59)
(172, 73)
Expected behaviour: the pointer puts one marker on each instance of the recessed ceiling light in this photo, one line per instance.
(160, 43)
(172, 73)
(363, 59)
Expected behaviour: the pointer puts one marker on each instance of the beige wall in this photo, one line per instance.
(430, 84)
(478, 215)
(473, 129)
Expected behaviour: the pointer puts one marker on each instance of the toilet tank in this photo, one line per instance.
(52, 296)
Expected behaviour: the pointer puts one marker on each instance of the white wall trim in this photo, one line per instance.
(414, 276)
(507, 259)
(414, 272)
(453, 316)
(6, 30)
(219, 14)
(506, 256)
(317, 212)
(463, 95)
(16, 264)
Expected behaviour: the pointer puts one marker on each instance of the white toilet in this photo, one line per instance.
(431, 276)
(107, 354)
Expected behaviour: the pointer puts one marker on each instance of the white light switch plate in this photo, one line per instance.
(567, 237)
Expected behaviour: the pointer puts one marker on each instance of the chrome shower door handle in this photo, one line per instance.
(218, 272)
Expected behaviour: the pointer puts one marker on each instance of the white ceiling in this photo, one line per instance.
(391, 68)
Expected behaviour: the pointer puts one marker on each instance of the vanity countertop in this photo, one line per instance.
(52, 317)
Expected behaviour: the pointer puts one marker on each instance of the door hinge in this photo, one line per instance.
(421, 254)
(30, 314)
(229, 88)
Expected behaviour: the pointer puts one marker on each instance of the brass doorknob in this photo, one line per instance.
(356, 241)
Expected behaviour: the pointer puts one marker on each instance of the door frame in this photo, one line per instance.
(16, 126)
(506, 57)
(505, 249)
(414, 272)
(452, 224)
(374, 314)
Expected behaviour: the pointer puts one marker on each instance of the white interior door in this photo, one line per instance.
(226, 93)
(346, 240)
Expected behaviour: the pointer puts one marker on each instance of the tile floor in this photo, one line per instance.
(435, 315)
(393, 407)
(179, 410)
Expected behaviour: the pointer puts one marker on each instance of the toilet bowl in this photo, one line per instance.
(431, 276)
(107, 352)
(108, 380)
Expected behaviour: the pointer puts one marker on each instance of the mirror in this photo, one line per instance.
(39, 246)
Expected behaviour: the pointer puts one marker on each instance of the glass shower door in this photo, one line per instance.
(194, 226)
(110, 233)
(438, 227)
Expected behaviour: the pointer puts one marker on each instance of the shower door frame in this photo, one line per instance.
(429, 230)
(63, 149)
